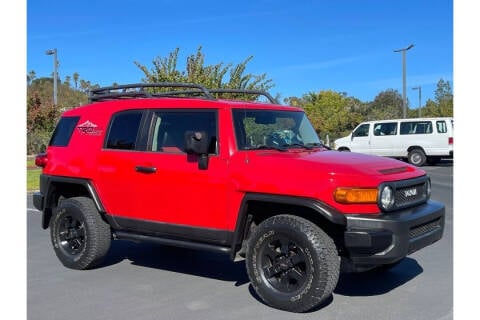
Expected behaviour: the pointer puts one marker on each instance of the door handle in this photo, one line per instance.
(144, 169)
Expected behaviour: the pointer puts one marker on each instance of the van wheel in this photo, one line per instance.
(292, 264)
(417, 157)
(80, 237)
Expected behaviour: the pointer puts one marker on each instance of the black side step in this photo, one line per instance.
(171, 242)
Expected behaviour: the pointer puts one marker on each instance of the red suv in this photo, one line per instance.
(176, 165)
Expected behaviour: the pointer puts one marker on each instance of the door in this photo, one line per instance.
(384, 141)
(170, 186)
(361, 139)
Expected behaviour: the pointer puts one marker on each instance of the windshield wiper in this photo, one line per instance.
(318, 145)
(264, 147)
(305, 146)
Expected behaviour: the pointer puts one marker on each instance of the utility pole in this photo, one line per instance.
(404, 65)
(419, 88)
(55, 76)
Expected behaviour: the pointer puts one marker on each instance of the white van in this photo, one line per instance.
(419, 140)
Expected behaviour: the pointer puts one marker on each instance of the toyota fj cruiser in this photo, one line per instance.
(178, 165)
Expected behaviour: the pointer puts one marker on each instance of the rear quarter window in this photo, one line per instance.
(63, 132)
(123, 131)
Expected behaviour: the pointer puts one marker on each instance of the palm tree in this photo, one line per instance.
(76, 76)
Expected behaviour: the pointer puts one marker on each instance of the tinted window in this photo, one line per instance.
(63, 132)
(124, 130)
(362, 131)
(416, 127)
(385, 129)
(441, 127)
(169, 130)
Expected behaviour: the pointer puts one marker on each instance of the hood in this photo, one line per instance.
(307, 173)
(337, 163)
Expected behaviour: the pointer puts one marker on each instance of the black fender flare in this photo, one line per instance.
(48, 189)
(326, 211)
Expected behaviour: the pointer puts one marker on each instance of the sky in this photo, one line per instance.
(303, 46)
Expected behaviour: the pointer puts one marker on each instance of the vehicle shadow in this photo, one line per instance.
(445, 163)
(220, 267)
(377, 282)
(181, 260)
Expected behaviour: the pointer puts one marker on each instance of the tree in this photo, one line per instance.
(76, 76)
(443, 104)
(67, 81)
(331, 113)
(386, 105)
(31, 76)
(196, 71)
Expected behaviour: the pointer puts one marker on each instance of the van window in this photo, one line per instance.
(441, 127)
(361, 131)
(416, 127)
(385, 129)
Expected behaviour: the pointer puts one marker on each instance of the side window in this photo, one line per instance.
(63, 131)
(416, 127)
(124, 130)
(361, 131)
(385, 129)
(169, 128)
(441, 127)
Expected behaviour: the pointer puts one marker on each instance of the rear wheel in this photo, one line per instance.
(79, 236)
(292, 264)
(417, 157)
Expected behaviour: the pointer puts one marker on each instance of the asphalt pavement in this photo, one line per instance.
(145, 281)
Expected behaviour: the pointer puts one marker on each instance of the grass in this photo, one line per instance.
(33, 176)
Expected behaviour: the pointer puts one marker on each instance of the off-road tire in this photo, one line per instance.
(79, 236)
(417, 157)
(292, 264)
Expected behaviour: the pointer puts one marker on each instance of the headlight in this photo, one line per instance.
(387, 198)
(429, 188)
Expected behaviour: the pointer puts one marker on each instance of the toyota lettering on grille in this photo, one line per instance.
(410, 192)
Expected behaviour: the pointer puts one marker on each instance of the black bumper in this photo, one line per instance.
(385, 239)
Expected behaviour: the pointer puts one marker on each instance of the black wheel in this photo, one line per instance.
(417, 157)
(292, 264)
(79, 236)
(344, 150)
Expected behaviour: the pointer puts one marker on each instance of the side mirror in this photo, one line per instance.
(196, 143)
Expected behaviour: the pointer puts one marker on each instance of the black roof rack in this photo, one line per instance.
(244, 91)
(149, 90)
(138, 90)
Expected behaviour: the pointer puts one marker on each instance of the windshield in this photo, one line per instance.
(260, 129)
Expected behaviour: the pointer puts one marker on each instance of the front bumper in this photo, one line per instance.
(387, 238)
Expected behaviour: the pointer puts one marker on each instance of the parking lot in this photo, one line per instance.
(145, 281)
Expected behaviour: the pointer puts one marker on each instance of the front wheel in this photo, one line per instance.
(292, 264)
(79, 236)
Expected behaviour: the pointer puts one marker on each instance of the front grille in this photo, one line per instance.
(411, 194)
(424, 228)
(408, 193)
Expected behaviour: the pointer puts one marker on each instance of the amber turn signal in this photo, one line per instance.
(355, 195)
